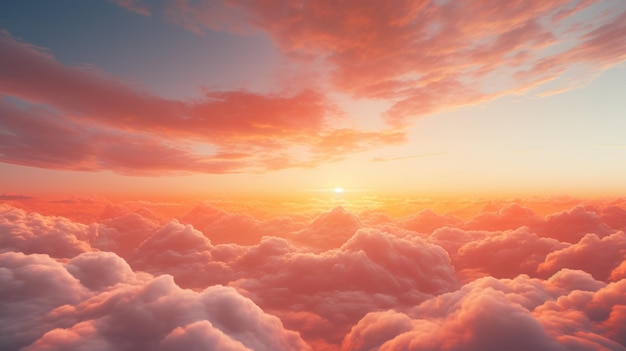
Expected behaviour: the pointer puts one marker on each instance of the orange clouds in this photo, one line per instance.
(137, 279)
(79, 118)
(427, 56)
(420, 56)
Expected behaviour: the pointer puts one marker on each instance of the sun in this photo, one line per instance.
(338, 190)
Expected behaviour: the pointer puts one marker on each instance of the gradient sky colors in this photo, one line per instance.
(199, 97)
(313, 175)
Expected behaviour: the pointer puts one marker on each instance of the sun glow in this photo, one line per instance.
(338, 190)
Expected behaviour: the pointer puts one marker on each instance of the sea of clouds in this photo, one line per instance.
(211, 279)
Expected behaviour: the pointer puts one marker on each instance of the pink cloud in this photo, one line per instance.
(506, 254)
(510, 216)
(479, 316)
(108, 306)
(425, 56)
(173, 245)
(372, 270)
(387, 288)
(598, 256)
(99, 270)
(123, 233)
(490, 314)
(224, 227)
(33, 233)
(41, 138)
(426, 221)
(421, 56)
(160, 315)
(134, 6)
(375, 329)
(619, 272)
(586, 319)
(200, 334)
(32, 285)
(614, 216)
(572, 225)
(78, 117)
(329, 230)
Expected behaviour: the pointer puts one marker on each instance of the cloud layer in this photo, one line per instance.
(79, 118)
(506, 278)
(418, 56)
(428, 56)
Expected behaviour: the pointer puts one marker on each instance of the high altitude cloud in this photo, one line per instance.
(441, 286)
(133, 5)
(427, 56)
(74, 117)
(420, 56)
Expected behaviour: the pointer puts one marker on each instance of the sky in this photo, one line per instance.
(130, 99)
(313, 175)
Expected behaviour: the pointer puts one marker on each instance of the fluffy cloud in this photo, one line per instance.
(426, 221)
(124, 233)
(490, 314)
(99, 270)
(570, 226)
(619, 272)
(33, 233)
(587, 319)
(95, 300)
(598, 256)
(506, 254)
(370, 269)
(161, 316)
(322, 295)
(31, 286)
(389, 288)
(510, 216)
(329, 230)
(223, 227)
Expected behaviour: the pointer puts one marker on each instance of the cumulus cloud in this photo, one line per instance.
(510, 216)
(21, 231)
(506, 254)
(439, 286)
(490, 314)
(221, 226)
(160, 316)
(95, 300)
(572, 225)
(322, 295)
(123, 233)
(597, 256)
(476, 317)
(427, 221)
(32, 285)
(99, 270)
(329, 230)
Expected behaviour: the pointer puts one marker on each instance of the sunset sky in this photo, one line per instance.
(313, 175)
(181, 98)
